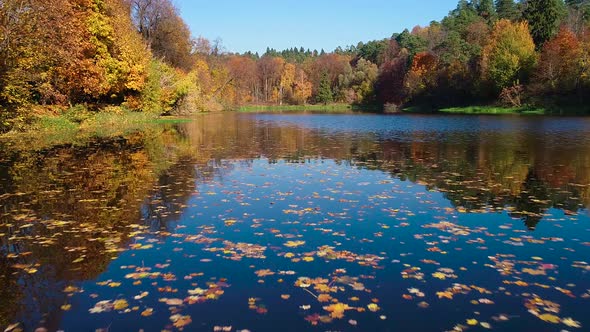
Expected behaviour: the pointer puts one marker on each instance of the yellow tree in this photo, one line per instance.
(269, 72)
(302, 87)
(287, 81)
(509, 55)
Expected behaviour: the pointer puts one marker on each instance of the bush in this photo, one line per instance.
(512, 96)
(78, 113)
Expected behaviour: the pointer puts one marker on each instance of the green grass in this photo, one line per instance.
(418, 109)
(49, 131)
(499, 110)
(495, 110)
(318, 108)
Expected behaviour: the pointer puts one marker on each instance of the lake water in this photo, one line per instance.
(303, 222)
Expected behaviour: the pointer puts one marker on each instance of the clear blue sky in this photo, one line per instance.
(315, 24)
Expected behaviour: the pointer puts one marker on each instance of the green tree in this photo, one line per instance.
(544, 17)
(325, 94)
(414, 44)
(460, 18)
(485, 9)
(509, 55)
(358, 83)
(507, 9)
(372, 50)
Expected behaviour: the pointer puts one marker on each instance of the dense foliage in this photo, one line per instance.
(139, 54)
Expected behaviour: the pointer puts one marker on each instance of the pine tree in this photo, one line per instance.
(544, 17)
(507, 9)
(325, 94)
(485, 9)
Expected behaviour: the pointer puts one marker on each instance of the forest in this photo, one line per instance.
(74, 58)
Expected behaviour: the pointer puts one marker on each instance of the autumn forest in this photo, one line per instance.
(141, 55)
(152, 179)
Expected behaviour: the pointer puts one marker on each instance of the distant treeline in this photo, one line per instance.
(140, 55)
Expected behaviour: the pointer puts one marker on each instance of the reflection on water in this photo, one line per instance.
(382, 199)
(522, 165)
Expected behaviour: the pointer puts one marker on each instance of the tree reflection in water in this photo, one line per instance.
(65, 213)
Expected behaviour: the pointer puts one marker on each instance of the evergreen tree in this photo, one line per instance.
(325, 94)
(544, 17)
(507, 9)
(485, 9)
(414, 44)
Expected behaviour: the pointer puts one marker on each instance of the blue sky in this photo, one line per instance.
(315, 24)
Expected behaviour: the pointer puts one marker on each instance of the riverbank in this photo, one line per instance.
(78, 126)
(495, 110)
(54, 130)
(499, 110)
(339, 107)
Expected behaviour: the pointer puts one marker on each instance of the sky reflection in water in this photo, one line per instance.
(303, 222)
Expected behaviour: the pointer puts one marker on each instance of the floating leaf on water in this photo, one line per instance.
(571, 323)
(147, 312)
(180, 321)
(549, 318)
(120, 304)
(373, 307)
(172, 302)
(337, 310)
(293, 244)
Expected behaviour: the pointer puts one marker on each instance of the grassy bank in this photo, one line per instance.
(51, 130)
(498, 110)
(314, 108)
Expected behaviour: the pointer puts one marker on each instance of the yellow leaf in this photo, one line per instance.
(147, 312)
(230, 222)
(571, 323)
(373, 307)
(446, 294)
(336, 310)
(293, 244)
(120, 304)
(180, 321)
(549, 318)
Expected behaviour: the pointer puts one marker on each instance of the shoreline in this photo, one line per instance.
(52, 130)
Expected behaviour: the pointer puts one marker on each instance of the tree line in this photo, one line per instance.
(140, 55)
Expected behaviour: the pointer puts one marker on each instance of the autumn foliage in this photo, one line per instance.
(509, 56)
(140, 54)
(560, 65)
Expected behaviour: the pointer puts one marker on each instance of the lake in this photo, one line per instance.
(302, 222)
